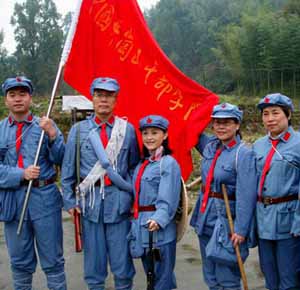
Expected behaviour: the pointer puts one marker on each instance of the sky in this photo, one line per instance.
(63, 6)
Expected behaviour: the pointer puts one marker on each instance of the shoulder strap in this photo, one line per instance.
(237, 154)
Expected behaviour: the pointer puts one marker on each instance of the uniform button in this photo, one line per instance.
(265, 188)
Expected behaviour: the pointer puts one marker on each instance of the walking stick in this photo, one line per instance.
(237, 248)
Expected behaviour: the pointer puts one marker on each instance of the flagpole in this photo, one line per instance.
(64, 57)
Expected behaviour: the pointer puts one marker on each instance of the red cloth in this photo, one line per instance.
(103, 135)
(112, 40)
(209, 179)
(19, 143)
(104, 139)
(138, 187)
(267, 165)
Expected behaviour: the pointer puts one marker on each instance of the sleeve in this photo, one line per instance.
(10, 177)
(68, 171)
(168, 192)
(118, 180)
(246, 187)
(57, 148)
(202, 142)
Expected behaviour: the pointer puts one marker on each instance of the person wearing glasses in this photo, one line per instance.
(108, 155)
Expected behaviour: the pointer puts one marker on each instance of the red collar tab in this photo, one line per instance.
(110, 120)
(232, 143)
(286, 136)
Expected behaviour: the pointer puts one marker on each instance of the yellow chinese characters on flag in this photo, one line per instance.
(112, 39)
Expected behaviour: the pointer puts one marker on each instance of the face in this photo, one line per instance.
(225, 129)
(18, 101)
(104, 103)
(153, 138)
(275, 120)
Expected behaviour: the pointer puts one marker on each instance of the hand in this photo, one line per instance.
(237, 239)
(71, 210)
(48, 126)
(31, 172)
(152, 225)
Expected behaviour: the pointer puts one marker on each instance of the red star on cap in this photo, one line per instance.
(149, 121)
(267, 100)
(18, 79)
(223, 106)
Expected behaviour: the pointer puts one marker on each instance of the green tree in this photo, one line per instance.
(39, 37)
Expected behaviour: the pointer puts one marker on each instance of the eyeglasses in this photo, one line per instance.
(105, 94)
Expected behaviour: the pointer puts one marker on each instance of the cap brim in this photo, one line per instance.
(110, 89)
(153, 126)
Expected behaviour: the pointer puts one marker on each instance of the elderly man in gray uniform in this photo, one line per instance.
(105, 192)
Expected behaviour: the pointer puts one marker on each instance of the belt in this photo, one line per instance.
(217, 194)
(40, 182)
(150, 207)
(267, 200)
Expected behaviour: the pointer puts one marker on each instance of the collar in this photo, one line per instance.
(284, 136)
(12, 121)
(158, 154)
(109, 122)
(232, 143)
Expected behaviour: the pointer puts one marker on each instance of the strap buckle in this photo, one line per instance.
(267, 200)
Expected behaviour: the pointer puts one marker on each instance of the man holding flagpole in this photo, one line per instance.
(108, 156)
(42, 229)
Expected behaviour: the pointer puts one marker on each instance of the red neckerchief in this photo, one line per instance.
(210, 175)
(137, 188)
(268, 161)
(20, 126)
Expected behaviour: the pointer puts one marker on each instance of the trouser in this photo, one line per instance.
(105, 243)
(279, 262)
(44, 236)
(218, 276)
(164, 270)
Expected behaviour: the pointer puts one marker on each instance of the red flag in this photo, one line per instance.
(112, 39)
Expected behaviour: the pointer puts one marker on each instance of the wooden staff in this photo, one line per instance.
(237, 248)
(193, 183)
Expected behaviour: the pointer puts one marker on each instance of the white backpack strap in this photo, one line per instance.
(237, 154)
(113, 149)
(116, 140)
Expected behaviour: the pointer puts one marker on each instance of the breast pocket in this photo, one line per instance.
(88, 152)
(259, 163)
(31, 145)
(151, 184)
(229, 173)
